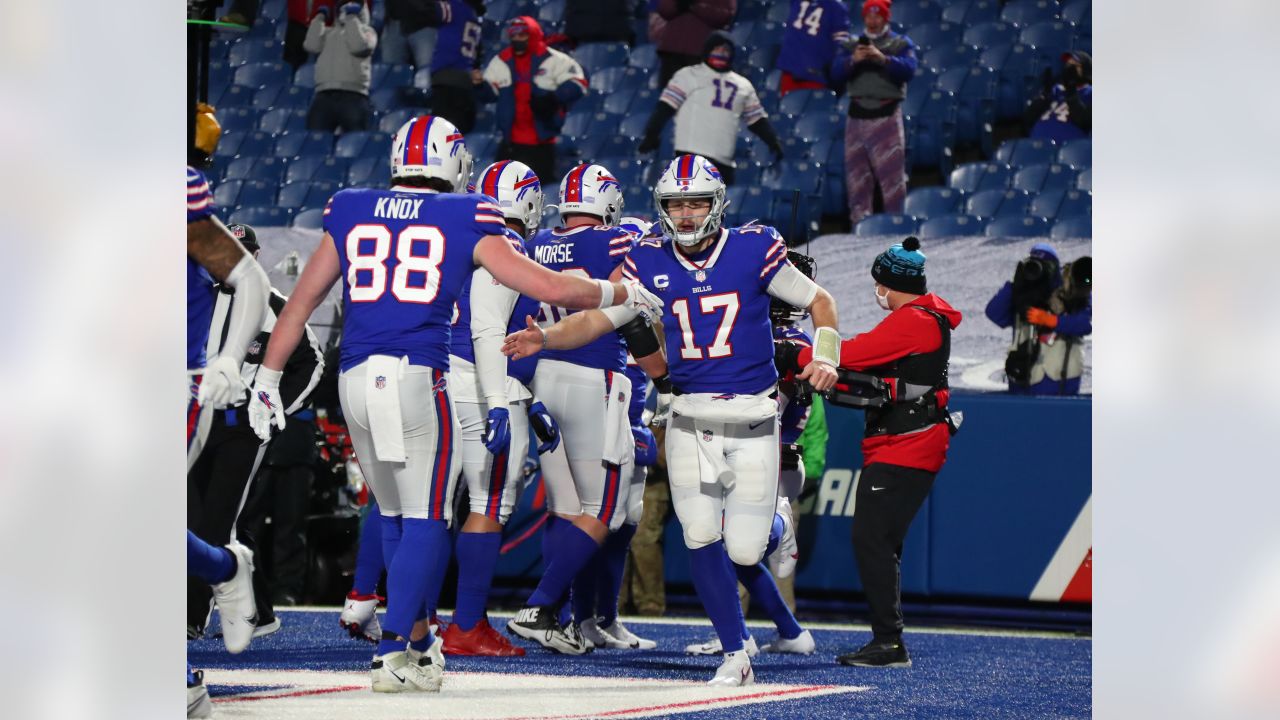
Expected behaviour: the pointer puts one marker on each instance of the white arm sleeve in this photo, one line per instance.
(619, 315)
(792, 287)
(491, 305)
(247, 312)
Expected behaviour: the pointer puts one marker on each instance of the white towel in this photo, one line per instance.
(619, 443)
(725, 408)
(383, 374)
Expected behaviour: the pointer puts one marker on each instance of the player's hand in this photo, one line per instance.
(497, 430)
(822, 376)
(524, 343)
(265, 406)
(221, 385)
(351, 8)
(786, 356)
(545, 427)
(663, 411)
(1043, 318)
(646, 446)
(642, 301)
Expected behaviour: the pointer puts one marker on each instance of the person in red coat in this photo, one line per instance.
(906, 439)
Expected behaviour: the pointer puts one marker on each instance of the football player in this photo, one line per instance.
(403, 255)
(719, 400)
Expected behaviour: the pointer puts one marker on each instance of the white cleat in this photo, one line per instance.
(620, 634)
(267, 628)
(735, 671)
(398, 672)
(234, 598)
(592, 633)
(360, 617)
(198, 703)
(541, 625)
(782, 563)
(801, 644)
(713, 647)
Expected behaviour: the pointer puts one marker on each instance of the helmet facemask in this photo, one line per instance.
(710, 224)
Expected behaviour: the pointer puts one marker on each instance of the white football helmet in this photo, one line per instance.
(634, 225)
(516, 188)
(591, 190)
(690, 176)
(431, 147)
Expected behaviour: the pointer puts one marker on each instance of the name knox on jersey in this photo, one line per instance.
(397, 208)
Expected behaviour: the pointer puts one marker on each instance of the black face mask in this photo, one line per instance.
(520, 46)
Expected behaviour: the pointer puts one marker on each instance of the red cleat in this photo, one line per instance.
(479, 640)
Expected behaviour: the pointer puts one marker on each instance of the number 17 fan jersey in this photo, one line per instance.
(405, 256)
(716, 307)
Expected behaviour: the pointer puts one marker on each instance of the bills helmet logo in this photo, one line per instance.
(454, 139)
(380, 382)
(522, 186)
(605, 181)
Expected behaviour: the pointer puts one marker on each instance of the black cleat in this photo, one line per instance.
(541, 624)
(892, 653)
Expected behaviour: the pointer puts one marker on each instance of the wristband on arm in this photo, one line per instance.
(826, 346)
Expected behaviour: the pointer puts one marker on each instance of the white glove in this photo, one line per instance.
(265, 406)
(221, 385)
(663, 411)
(648, 305)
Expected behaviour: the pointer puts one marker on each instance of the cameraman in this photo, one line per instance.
(1064, 109)
(1050, 311)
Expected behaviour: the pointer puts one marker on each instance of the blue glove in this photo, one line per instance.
(1058, 93)
(351, 8)
(646, 446)
(497, 430)
(545, 427)
(322, 11)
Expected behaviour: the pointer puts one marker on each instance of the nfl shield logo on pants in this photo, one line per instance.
(706, 436)
(380, 382)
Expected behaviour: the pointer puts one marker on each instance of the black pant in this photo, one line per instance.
(215, 488)
(455, 104)
(727, 171)
(294, 34)
(888, 498)
(333, 110)
(282, 491)
(671, 62)
(540, 158)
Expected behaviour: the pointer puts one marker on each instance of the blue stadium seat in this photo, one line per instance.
(316, 142)
(592, 102)
(1043, 176)
(270, 169)
(281, 120)
(628, 171)
(1078, 13)
(799, 148)
(980, 11)
(946, 57)
(813, 125)
(757, 204)
(989, 203)
(371, 171)
(1077, 153)
(778, 12)
(932, 35)
(986, 34)
(256, 192)
(1046, 204)
(1027, 151)
(807, 178)
(262, 74)
(320, 192)
(391, 76)
(231, 96)
(309, 219)
(351, 144)
(928, 202)
(318, 168)
(391, 122)
(972, 177)
(226, 193)
(608, 79)
(298, 98)
(292, 195)
(644, 57)
(1016, 66)
(633, 124)
(643, 101)
(975, 89)
(1076, 202)
(734, 200)
(953, 10)
(619, 102)
(599, 55)
(237, 119)
(238, 169)
(578, 122)
(909, 13)
(951, 226)
(385, 100)
(1078, 226)
(1016, 203)
(262, 216)
(264, 98)
(763, 56)
(247, 50)
(617, 145)
(1050, 40)
(551, 11)
(741, 32)
(637, 199)
(254, 142)
(422, 78)
(930, 117)
(1018, 226)
(1084, 181)
(886, 224)
(482, 145)
(1029, 12)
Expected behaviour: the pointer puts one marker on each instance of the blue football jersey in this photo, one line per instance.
(794, 415)
(405, 257)
(589, 252)
(639, 391)
(460, 345)
(716, 315)
(200, 291)
(809, 37)
(458, 39)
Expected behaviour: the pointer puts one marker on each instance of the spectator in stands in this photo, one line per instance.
(343, 68)
(588, 21)
(299, 14)
(241, 12)
(814, 33)
(1051, 312)
(418, 22)
(454, 72)
(708, 100)
(533, 86)
(877, 67)
(1064, 110)
(683, 30)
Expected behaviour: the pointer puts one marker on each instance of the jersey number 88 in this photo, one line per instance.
(407, 262)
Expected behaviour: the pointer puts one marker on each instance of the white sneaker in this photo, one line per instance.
(592, 633)
(619, 633)
(735, 671)
(801, 644)
(198, 703)
(713, 647)
(267, 628)
(360, 617)
(397, 672)
(782, 563)
(234, 598)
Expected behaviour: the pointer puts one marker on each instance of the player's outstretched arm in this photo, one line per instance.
(826, 343)
(572, 332)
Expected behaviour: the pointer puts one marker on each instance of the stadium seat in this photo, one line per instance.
(950, 226)
(1077, 153)
(886, 224)
(282, 120)
(578, 122)
(264, 98)
(910, 13)
(619, 102)
(255, 192)
(741, 32)
(1045, 204)
(986, 34)
(813, 125)
(633, 124)
(1084, 181)
(977, 11)
(391, 122)
(974, 88)
(316, 142)
(1043, 176)
(608, 79)
(391, 76)
(928, 202)
(262, 74)
(931, 35)
(618, 145)
(226, 193)
(254, 142)
(318, 168)
(237, 119)
(372, 171)
(292, 195)
(1076, 202)
(298, 98)
(262, 216)
(1078, 13)
(807, 178)
(763, 56)
(1016, 66)
(931, 128)
(778, 12)
(551, 11)
(1026, 151)
(992, 203)
(238, 169)
(1029, 12)
(351, 144)
(946, 57)
(248, 50)
(1018, 226)
(798, 148)
(953, 10)
(231, 96)
(270, 169)
(1078, 226)
(599, 55)
(644, 57)
(972, 177)
(1050, 40)
(309, 219)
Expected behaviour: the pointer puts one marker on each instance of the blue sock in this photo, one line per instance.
(764, 591)
(718, 590)
(584, 589)
(477, 557)
(573, 550)
(392, 528)
(609, 581)
(431, 602)
(369, 561)
(775, 535)
(208, 562)
(413, 576)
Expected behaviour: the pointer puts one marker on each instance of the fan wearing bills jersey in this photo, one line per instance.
(403, 255)
(495, 408)
(719, 400)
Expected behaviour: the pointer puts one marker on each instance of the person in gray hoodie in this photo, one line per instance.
(343, 69)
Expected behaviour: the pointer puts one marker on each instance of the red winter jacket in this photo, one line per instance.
(903, 332)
